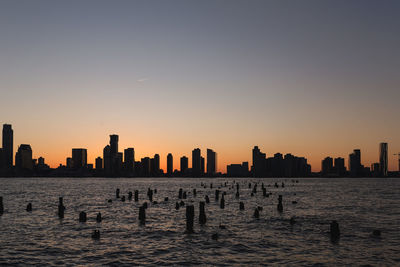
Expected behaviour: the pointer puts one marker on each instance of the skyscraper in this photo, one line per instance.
(196, 162)
(155, 165)
(114, 144)
(355, 167)
(23, 158)
(383, 159)
(79, 158)
(170, 164)
(8, 137)
(99, 164)
(202, 165)
(184, 164)
(129, 160)
(211, 162)
(107, 160)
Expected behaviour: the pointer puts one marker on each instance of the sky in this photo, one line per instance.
(311, 78)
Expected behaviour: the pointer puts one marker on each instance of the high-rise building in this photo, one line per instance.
(107, 160)
(8, 137)
(355, 167)
(99, 163)
(196, 162)
(129, 160)
(184, 164)
(155, 165)
(259, 167)
(170, 164)
(202, 165)
(339, 167)
(327, 166)
(23, 158)
(211, 162)
(69, 163)
(113, 144)
(145, 167)
(79, 158)
(383, 159)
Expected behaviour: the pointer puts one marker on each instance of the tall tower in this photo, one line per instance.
(114, 144)
(184, 164)
(211, 162)
(170, 164)
(8, 137)
(196, 162)
(383, 159)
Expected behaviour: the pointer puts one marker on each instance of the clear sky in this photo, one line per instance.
(314, 78)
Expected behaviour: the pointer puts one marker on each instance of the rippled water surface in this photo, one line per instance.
(359, 205)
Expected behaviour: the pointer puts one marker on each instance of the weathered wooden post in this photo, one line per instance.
(256, 214)
(189, 218)
(61, 208)
(216, 195)
(207, 199)
(117, 193)
(222, 203)
(202, 216)
(142, 215)
(1, 206)
(180, 193)
(130, 196)
(241, 205)
(29, 207)
(136, 195)
(194, 192)
(96, 234)
(264, 192)
(184, 196)
(177, 206)
(82, 216)
(98, 217)
(335, 231)
(280, 205)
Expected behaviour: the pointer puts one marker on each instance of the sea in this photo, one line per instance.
(230, 236)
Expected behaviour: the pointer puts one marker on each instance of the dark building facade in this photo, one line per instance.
(8, 143)
(211, 162)
(23, 158)
(196, 162)
(79, 158)
(129, 160)
(184, 164)
(383, 159)
(170, 164)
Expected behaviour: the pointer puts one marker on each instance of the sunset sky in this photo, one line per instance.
(311, 78)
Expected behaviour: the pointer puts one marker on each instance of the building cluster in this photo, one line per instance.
(276, 166)
(336, 167)
(122, 164)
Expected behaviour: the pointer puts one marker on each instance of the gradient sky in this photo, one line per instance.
(314, 78)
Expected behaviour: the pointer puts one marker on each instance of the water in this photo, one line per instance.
(359, 205)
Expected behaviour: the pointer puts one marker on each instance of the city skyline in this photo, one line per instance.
(116, 163)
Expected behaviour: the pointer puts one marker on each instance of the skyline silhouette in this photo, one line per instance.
(123, 164)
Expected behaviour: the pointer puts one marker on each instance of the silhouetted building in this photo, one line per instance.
(196, 162)
(129, 160)
(69, 163)
(8, 137)
(383, 159)
(327, 166)
(99, 164)
(259, 163)
(155, 165)
(339, 167)
(184, 164)
(375, 169)
(238, 170)
(113, 144)
(107, 160)
(211, 162)
(355, 167)
(170, 164)
(1, 160)
(145, 167)
(79, 158)
(202, 166)
(23, 158)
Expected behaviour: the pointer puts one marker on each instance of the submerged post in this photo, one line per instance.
(29, 207)
(142, 215)
(216, 195)
(1, 206)
(136, 195)
(130, 196)
(189, 218)
(61, 208)
(98, 217)
(280, 205)
(222, 203)
(82, 216)
(335, 231)
(241, 206)
(117, 193)
(202, 216)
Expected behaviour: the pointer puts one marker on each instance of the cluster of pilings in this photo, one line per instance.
(190, 211)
